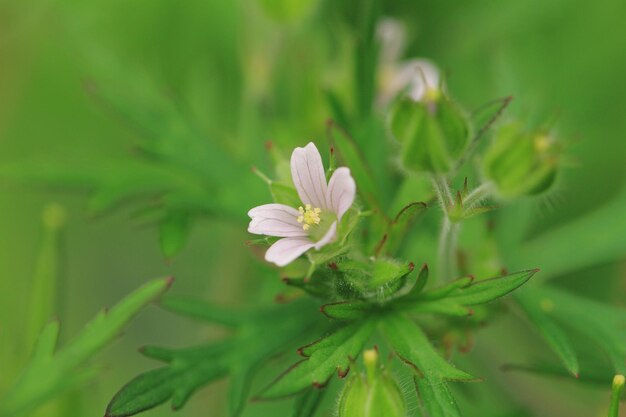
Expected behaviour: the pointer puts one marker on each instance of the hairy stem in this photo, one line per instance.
(448, 240)
(449, 232)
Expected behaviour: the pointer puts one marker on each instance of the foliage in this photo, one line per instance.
(52, 371)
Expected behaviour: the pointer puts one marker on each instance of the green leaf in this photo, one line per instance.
(191, 368)
(599, 237)
(43, 287)
(453, 299)
(445, 290)
(432, 371)
(491, 289)
(590, 375)
(174, 232)
(330, 354)
(600, 323)
(284, 194)
(444, 307)
(346, 310)
(551, 332)
(308, 402)
(436, 398)
(401, 225)
(204, 311)
(420, 282)
(413, 347)
(50, 373)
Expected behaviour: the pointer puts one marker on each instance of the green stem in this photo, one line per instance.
(618, 387)
(448, 238)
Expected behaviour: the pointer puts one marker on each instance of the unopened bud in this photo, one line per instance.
(521, 163)
(373, 394)
(433, 132)
(616, 394)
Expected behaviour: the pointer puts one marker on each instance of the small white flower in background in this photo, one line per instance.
(314, 224)
(419, 76)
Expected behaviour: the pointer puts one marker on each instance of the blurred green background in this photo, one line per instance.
(253, 71)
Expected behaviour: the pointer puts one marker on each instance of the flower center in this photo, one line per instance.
(309, 216)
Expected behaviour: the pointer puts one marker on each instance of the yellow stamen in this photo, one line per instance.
(308, 216)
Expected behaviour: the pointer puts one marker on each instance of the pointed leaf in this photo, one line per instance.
(325, 357)
(202, 310)
(491, 289)
(551, 332)
(554, 252)
(346, 310)
(191, 368)
(308, 402)
(44, 379)
(412, 346)
(435, 398)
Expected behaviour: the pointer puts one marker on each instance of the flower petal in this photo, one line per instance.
(425, 76)
(275, 220)
(308, 176)
(341, 192)
(287, 250)
(330, 235)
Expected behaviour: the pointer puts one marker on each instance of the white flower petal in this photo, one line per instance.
(275, 220)
(425, 75)
(287, 250)
(341, 191)
(308, 176)
(330, 236)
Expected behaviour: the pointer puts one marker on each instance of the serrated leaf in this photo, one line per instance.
(49, 374)
(551, 332)
(490, 289)
(435, 398)
(330, 354)
(191, 368)
(412, 346)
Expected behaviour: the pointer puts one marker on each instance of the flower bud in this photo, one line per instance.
(521, 163)
(433, 132)
(373, 394)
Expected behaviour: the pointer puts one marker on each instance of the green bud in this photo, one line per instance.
(373, 394)
(433, 132)
(521, 163)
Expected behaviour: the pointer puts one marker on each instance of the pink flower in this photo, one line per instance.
(314, 224)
